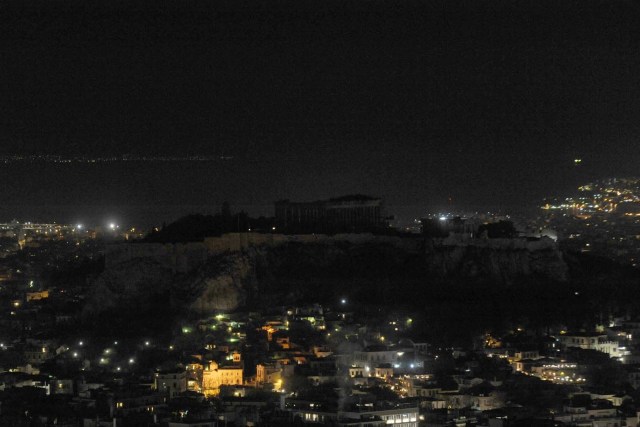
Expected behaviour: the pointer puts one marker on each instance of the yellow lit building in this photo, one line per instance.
(38, 295)
(215, 376)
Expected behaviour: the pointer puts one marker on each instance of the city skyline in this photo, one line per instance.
(351, 213)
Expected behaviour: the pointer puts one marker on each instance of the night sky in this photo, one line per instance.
(483, 102)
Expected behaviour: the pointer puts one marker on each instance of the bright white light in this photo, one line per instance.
(131, 361)
(79, 226)
(147, 343)
(443, 218)
(343, 301)
(81, 343)
(112, 226)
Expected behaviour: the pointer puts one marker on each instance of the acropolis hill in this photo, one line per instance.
(230, 271)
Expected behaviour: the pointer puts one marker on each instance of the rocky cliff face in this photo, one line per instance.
(224, 283)
(498, 260)
(386, 270)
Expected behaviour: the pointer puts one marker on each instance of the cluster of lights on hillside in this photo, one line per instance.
(607, 196)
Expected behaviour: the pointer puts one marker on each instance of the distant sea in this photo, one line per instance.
(147, 194)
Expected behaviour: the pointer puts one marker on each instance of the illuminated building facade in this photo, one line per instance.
(215, 376)
(592, 341)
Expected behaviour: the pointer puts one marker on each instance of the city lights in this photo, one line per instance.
(338, 213)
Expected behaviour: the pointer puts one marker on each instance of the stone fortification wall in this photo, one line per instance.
(186, 256)
(517, 256)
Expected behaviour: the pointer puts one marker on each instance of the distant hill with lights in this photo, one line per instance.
(612, 195)
(602, 218)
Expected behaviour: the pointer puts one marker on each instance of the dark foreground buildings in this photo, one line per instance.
(354, 213)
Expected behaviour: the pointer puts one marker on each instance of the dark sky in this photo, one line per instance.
(487, 102)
